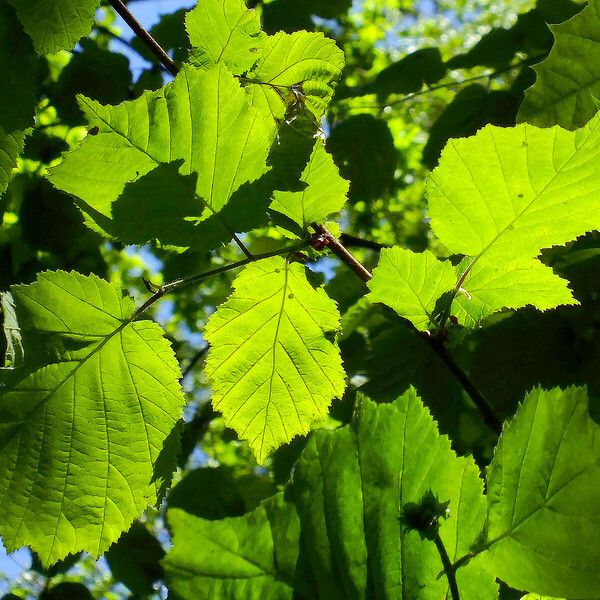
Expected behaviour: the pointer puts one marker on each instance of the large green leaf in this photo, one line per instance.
(241, 558)
(324, 195)
(224, 31)
(308, 60)
(353, 490)
(86, 427)
(203, 118)
(272, 369)
(56, 24)
(411, 284)
(568, 81)
(502, 196)
(543, 490)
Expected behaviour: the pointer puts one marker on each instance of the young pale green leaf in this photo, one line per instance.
(252, 557)
(349, 501)
(13, 341)
(272, 369)
(203, 118)
(86, 427)
(411, 284)
(308, 60)
(502, 196)
(224, 31)
(324, 195)
(56, 24)
(568, 81)
(543, 490)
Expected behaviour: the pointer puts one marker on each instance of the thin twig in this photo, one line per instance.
(486, 411)
(194, 361)
(342, 252)
(449, 568)
(145, 37)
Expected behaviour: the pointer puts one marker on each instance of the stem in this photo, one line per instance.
(449, 569)
(152, 44)
(487, 413)
(343, 253)
(351, 241)
(194, 360)
(489, 417)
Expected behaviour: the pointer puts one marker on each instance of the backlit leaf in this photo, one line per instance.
(568, 81)
(86, 426)
(272, 370)
(543, 490)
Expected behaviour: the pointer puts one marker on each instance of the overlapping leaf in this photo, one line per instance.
(568, 81)
(240, 558)
(502, 196)
(352, 489)
(86, 427)
(307, 60)
(411, 284)
(324, 195)
(543, 490)
(203, 118)
(224, 31)
(56, 24)
(272, 370)
(281, 70)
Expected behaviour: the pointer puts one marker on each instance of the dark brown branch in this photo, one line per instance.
(449, 568)
(489, 418)
(152, 44)
(342, 252)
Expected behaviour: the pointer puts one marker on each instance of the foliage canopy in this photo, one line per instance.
(306, 308)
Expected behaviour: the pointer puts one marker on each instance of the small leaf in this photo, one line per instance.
(11, 145)
(308, 60)
(87, 426)
(56, 24)
(272, 370)
(224, 31)
(411, 284)
(568, 80)
(543, 490)
(324, 195)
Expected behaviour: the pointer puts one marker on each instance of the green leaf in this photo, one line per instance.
(241, 558)
(503, 195)
(135, 560)
(568, 80)
(272, 370)
(17, 64)
(349, 500)
(12, 344)
(363, 147)
(324, 195)
(56, 24)
(353, 488)
(11, 145)
(203, 118)
(411, 284)
(94, 72)
(224, 31)
(543, 490)
(86, 427)
(308, 60)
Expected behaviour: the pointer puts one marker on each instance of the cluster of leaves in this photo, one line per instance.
(429, 434)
